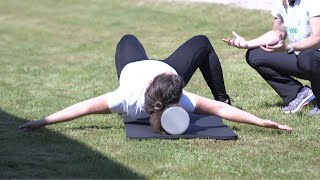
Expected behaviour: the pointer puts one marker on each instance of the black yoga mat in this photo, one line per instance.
(201, 126)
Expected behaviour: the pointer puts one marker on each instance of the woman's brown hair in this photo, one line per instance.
(285, 4)
(165, 90)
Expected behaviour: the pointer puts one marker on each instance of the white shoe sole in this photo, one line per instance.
(302, 104)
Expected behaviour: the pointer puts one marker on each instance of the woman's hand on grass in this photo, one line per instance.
(32, 125)
(271, 124)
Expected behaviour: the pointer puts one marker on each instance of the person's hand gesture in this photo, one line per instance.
(32, 125)
(279, 47)
(274, 125)
(236, 41)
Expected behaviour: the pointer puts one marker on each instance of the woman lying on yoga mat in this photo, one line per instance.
(147, 87)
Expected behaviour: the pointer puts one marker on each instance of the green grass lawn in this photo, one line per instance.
(54, 53)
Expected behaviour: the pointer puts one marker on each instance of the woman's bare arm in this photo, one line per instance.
(97, 105)
(271, 37)
(225, 111)
(313, 41)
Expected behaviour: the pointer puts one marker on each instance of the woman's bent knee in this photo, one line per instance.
(201, 40)
(128, 37)
(250, 58)
(308, 62)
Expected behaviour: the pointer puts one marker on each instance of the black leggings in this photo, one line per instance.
(280, 68)
(195, 53)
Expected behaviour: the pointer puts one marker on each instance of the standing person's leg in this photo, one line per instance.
(278, 69)
(129, 49)
(309, 63)
(196, 53)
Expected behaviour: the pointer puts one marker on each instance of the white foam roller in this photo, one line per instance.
(175, 120)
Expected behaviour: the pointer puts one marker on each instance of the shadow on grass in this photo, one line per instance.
(277, 104)
(47, 154)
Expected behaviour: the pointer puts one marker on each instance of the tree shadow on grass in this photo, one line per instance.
(47, 154)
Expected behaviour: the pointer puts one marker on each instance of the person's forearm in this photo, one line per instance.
(269, 38)
(211, 107)
(67, 114)
(97, 105)
(312, 42)
(234, 114)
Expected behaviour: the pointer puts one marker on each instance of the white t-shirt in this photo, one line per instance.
(297, 18)
(134, 80)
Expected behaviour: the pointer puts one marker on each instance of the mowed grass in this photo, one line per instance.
(54, 53)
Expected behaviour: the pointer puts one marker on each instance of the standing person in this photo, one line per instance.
(278, 63)
(148, 87)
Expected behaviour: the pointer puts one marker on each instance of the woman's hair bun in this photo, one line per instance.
(158, 106)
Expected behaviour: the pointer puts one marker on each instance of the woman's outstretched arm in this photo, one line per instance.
(225, 111)
(97, 105)
(271, 37)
